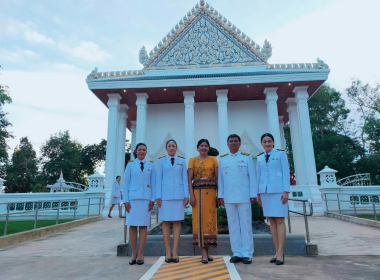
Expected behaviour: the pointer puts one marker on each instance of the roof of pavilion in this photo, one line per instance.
(204, 45)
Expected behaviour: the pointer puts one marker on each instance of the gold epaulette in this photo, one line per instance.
(161, 157)
(151, 161)
(224, 155)
(280, 150)
(181, 157)
(260, 154)
(131, 160)
(246, 154)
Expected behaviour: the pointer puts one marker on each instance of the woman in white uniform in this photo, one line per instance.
(172, 195)
(115, 195)
(138, 198)
(273, 192)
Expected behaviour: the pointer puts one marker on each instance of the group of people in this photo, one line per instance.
(207, 184)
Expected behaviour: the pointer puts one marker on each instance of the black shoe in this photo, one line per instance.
(140, 262)
(235, 259)
(176, 260)
(210, 259)
(273, 260)
(205, 261)
(281, 262)
(132, 262)
(247, 260)
(168, 260)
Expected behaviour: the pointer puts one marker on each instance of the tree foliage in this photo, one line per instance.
(5, 134)
(22, 171)
(61, 152)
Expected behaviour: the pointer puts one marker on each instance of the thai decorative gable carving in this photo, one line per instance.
(205, 38)
(248, 146)
(161, 151)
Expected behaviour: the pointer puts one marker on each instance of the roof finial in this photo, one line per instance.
(202, 2)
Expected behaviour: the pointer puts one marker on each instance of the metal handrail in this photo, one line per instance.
(59, 207)
(304, 214)
(325, 199)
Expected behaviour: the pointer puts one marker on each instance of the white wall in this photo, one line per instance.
(206, 123)
(163, 119)
(249, 116)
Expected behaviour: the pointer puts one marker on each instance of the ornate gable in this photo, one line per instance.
(204, 38)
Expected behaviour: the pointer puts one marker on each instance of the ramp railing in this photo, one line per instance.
(304, 213)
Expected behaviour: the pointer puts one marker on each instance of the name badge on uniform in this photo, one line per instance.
(179, 164)
(239, 161)
(260, 161)
(275, 158)
(149, 169)
(149, 186)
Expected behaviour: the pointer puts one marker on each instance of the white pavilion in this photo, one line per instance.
(208, 79)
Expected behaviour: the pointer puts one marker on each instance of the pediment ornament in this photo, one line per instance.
(161, 151)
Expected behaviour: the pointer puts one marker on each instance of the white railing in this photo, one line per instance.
(356, 180)
(76, 187)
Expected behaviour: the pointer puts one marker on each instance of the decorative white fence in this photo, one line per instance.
(356, 180)
(352, 196)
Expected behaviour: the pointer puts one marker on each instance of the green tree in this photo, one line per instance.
(213, 152)
(5, 134)
(370, 164)
(92, 156)
(372, 132)
(23, 168)
(61, 152)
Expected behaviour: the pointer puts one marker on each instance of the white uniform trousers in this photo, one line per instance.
(239, 218)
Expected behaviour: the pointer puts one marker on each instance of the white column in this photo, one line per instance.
(272, 111)
(305, 133)
(121, 137)
(189, 123)
(133, 137)
(299, 162)
(113, 107)
(141, 117)
(223, 119)
(281, 123)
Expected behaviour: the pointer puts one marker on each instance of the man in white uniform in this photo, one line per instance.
(237, 189)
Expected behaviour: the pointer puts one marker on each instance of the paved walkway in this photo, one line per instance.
(336, 237)
(89, 252)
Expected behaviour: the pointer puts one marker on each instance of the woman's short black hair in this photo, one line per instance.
(201, 141)
(137, 146)
(170, 140)
(234, 136)
(265, 135)
(117, 177)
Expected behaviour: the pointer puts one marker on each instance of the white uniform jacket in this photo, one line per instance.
(116, 189)
(171, 180)
(237, 181)
(139, 184)
(273, 176)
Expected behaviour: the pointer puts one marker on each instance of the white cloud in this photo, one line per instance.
(33, 36)
(17, 56)
(17, 28)
(86, 50)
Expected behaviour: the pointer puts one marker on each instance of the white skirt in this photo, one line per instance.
(114, 200)
(272, 205)
(171, 210)
(139, 214)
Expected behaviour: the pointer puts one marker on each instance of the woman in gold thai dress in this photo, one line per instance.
(203, 178)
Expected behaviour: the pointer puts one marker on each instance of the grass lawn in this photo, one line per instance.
(19, 226)
(369, 216)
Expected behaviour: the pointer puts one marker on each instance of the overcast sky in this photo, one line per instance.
(47, 48)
